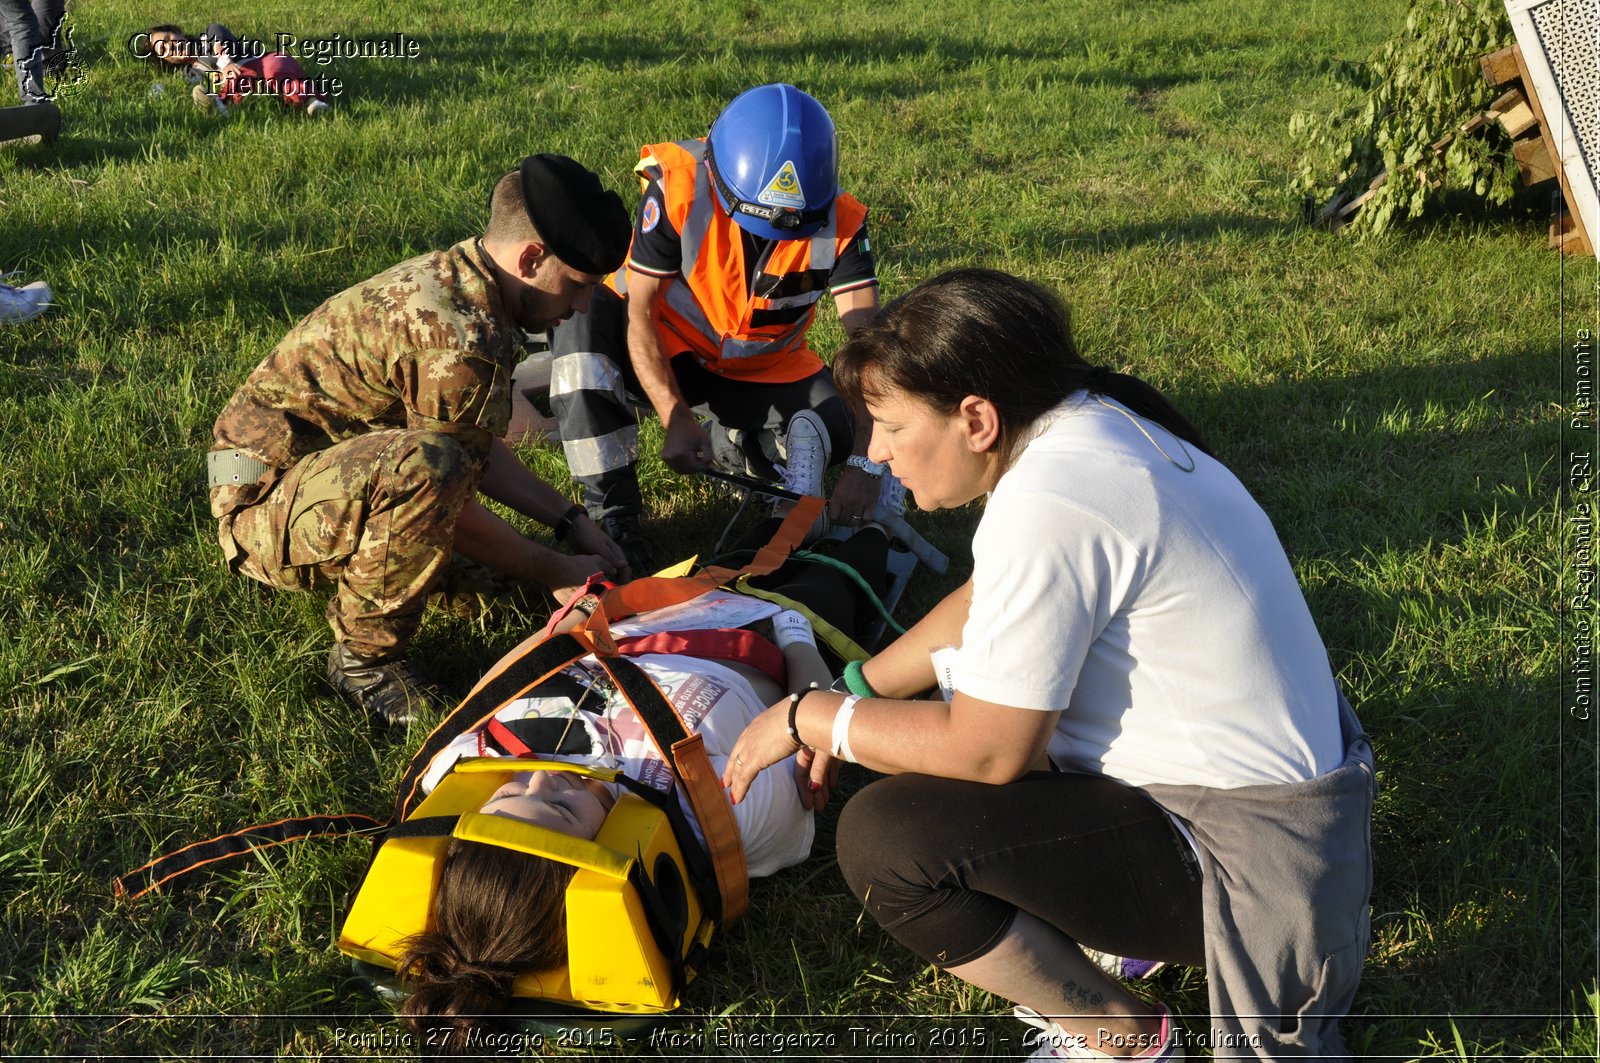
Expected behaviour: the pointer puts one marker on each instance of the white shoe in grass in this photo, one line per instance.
(24, 303)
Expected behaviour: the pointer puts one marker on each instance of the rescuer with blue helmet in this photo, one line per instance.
(738, 236)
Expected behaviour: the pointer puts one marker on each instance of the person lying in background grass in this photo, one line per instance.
(222, 76)
(1144, 751)
(498, 912)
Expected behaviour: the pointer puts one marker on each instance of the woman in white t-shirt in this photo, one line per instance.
(1132, 642)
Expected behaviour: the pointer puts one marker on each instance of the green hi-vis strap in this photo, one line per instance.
(842, 644)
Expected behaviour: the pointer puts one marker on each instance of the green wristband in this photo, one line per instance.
(856, 680)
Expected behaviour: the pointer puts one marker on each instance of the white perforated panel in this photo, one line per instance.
(1570, 34)
(1560, 42)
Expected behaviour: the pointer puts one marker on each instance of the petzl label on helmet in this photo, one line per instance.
(650, 215)
(784, 189)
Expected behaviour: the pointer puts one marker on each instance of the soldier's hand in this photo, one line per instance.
(571, 574)
(586, 537)
(688, 446)
(853, 498)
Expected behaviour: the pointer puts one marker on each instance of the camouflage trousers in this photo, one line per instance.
(375, 516)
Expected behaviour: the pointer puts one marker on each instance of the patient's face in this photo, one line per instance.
(560, 800)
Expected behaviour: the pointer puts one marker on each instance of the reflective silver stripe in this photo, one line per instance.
(603, 454)
(824, 242)
(585, 371)
(793, 301)
(733, 347)
(233, 467)
(681, 299)
(698, 223)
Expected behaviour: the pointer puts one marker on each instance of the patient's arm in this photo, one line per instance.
(816, 773)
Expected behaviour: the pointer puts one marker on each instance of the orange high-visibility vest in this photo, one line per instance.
(707, 308)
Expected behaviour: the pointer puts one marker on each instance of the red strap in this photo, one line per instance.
(508, 741)
(719, 644)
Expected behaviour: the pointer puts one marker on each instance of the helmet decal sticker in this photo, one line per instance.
(784, 189)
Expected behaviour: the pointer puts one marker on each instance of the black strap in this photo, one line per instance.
(138, 882)
(542, 661)
(666, 729)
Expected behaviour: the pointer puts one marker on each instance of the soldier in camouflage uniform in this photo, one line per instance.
(355, 452)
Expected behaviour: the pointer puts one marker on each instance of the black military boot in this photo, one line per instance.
(387, 687)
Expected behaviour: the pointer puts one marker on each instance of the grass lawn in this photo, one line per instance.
(1399, 407)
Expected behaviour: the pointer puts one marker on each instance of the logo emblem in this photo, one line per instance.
(650, 215)
(784, 189)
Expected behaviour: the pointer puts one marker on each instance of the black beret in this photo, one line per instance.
(584, 223)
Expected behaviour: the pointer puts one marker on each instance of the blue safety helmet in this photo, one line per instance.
(774, 160)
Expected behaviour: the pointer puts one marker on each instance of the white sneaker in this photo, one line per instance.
(318, 109)
(24, 303)
(1052, 1042)
(805, 454)
(805, 457)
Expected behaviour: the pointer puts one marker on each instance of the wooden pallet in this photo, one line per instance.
(1521, 115)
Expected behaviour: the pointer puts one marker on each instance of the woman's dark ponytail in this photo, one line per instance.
(1149, 403)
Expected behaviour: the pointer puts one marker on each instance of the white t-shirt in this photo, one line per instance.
(1155, 606)
(714, 700)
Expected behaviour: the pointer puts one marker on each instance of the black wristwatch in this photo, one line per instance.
(561, 527)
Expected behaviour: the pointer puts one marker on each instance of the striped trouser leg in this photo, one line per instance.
(588, 395)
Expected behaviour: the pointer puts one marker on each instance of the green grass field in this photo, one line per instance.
(1397, 405)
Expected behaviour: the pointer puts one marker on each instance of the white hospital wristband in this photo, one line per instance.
(790, 627)
(841, 729)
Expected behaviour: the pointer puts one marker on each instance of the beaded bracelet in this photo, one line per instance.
(794, 708)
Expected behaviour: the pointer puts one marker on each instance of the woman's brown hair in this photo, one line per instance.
(497, 913)
(986, 333)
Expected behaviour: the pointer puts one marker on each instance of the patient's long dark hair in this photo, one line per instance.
(986, 333)
(497, 912)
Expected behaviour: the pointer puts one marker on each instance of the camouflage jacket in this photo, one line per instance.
(426, 345)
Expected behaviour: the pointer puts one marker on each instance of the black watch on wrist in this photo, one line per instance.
(561, 527)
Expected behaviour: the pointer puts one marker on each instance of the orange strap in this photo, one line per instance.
(717, 824)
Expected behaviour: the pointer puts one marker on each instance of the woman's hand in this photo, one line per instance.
(816, 774)
(764, 743)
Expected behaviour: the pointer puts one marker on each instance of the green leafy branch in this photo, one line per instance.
(1422, 87)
